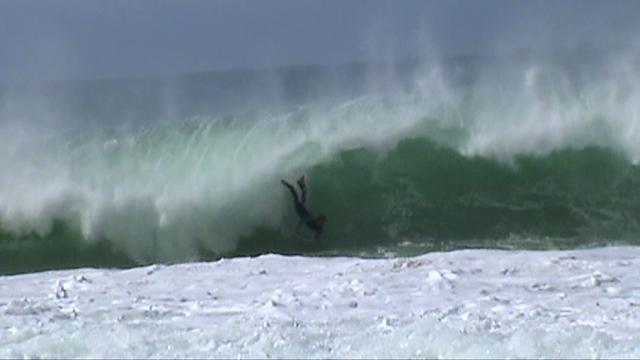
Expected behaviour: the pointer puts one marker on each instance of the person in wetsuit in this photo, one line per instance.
(314, 223)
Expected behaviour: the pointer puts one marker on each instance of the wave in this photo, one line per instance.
(531, 155)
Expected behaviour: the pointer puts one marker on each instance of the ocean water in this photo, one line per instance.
(532, 157)
(461, 304)
(532, 164)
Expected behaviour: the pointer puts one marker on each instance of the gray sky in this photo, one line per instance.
(79, 39)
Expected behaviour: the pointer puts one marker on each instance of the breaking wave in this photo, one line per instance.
(535, 156)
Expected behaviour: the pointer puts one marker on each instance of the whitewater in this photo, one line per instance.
(486, 212)
(461, 304)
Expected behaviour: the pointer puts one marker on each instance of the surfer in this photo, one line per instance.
(313, 223)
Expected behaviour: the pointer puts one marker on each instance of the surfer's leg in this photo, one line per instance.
(303, 189)
(293, 191)
(299, 206)
(303, 197)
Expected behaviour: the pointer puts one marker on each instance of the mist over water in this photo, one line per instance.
(526, 151)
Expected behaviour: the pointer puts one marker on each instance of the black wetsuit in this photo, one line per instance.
(299, 202)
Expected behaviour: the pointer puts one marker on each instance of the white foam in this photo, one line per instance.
(472, 303)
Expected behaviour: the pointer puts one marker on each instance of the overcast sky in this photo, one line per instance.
(79, 39)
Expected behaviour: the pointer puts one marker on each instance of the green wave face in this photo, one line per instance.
(438, 167)
(421, 192)
(417, 197)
